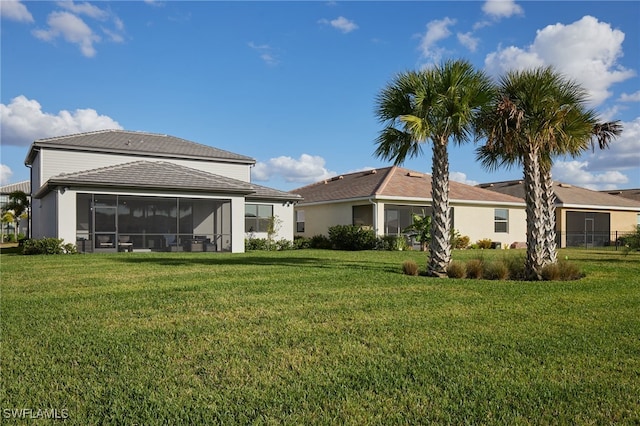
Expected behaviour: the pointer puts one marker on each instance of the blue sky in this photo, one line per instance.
(293, 84)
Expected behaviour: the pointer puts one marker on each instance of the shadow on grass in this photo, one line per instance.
(263, 260)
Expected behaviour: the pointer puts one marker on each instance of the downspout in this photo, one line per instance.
(30, 200)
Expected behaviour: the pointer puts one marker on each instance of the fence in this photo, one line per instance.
(614, 240)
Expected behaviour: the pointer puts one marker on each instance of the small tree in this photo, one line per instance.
(18, 205)
(422, 227)
(275, 223)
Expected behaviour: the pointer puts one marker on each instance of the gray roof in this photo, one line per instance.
(136, 143)
(23, 186)
(160, 175)
(569, 195)
(632, 194)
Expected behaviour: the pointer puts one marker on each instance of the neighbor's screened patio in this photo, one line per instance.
(127, 222)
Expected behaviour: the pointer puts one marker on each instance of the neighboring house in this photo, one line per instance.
(584, 218)
(8, 228)
(385, 199)
(122, 190)
(632, 194)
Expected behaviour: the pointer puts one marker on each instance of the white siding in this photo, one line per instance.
(56, 162)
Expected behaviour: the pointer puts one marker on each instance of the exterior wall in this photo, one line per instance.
(284, 212)
(624, 221)
(66, 210)
(318, 218)
(55, 162)
(620, 221)
(477, 222)
(45, 216)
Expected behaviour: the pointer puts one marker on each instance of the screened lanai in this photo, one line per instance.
(144, 223)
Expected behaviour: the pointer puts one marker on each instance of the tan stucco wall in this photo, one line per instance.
(318, 218)
(477, 222)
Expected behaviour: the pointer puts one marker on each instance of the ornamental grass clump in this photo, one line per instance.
(561, 271)
(496, 270)
(456, 269)
(410, 267)
(474, 268)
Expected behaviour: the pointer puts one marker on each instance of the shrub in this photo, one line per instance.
(251, 244)
(561, 271)
(319, 242)
(391, 243)
(284, 244)
(456, 269)
(301, 242)
(48, 246)
(496, 270)
(474, 268)
(484, 243)
(410, 267)
(631, 242)
(351, 237)
(459, 241)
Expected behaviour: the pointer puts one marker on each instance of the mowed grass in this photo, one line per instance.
(316, 337)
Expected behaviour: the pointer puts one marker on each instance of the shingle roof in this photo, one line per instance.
(632, 194)
(392, 182)
(136, 143)
(24, 186)
(160, 175)
(567, 195)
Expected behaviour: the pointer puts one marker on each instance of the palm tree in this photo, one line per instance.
(18, 205)
(437, 104)
(539, 114)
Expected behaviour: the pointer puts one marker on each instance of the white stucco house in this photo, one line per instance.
(123, 190)
(385, 199)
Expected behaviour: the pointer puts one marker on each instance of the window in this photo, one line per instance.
(501, 220)
(299, 220)
(362, 215)
(257, 217)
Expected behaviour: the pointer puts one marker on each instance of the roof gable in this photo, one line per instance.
(393, 182)
(136, 143)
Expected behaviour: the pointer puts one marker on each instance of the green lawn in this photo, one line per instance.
(315, 337)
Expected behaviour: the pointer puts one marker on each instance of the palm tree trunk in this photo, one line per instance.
(440, 253)
(535, 216)
(549, 203)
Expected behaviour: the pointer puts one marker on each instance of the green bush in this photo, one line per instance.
(319, 242)
(301, 242)
(484, 243)
(251, 244)
(48, 246)
(284, 244)
(496, 270)
(391, 243)
(456, 269)
(515, 266)
(352, 238)
(410, 267)
(631, 242)
(459, 241)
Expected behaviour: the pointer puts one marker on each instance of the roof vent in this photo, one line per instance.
(337, 178)
(413, 174)
(564, 185)
(486, 185)
(370, 172)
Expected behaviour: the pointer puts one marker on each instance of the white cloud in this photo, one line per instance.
(501, 8)
(340, 23)
(265, 52)
(577, 173)
(603, 169)
(462, 178)
(87, 9)
(5, 174)
(623, 152)
(468, 41)
(306, 169)
(15, 11)
(23, 121)
(595, 49)
(72, 29)
(436, 30)
(633, 97)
